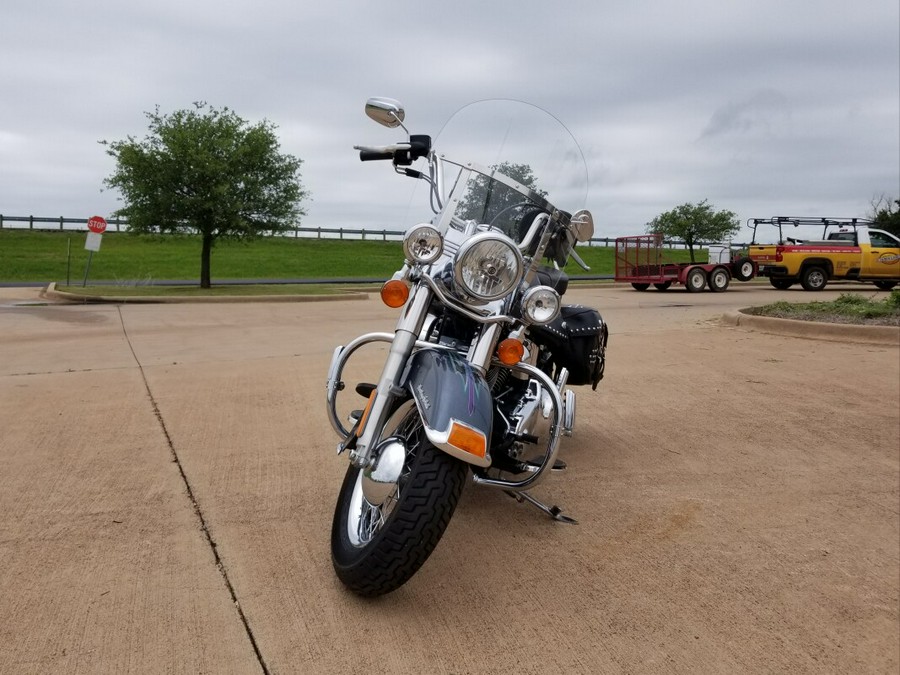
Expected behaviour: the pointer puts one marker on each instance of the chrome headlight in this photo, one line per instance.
(540, 305)
(488, 267)
(422, 244)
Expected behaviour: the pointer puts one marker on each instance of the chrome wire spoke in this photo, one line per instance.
(369, 519)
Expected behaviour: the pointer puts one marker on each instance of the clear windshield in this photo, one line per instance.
(505, 161)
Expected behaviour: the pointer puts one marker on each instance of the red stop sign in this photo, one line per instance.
(97, 225)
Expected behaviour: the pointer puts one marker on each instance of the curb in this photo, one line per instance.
(815, 330)
(51, 292)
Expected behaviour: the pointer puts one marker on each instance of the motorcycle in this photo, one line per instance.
(480, 362)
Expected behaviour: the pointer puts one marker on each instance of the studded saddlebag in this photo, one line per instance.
(577, 341)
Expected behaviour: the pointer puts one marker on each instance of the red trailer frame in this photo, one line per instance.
(640, 262)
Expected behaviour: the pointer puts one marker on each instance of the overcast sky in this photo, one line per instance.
(763, 107)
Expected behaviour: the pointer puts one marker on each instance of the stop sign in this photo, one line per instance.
(97, 225)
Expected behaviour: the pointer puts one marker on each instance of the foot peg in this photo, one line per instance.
(553, 511)
(558, 465)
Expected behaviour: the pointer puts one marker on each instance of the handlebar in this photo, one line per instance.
(368, 153)
(403, 154)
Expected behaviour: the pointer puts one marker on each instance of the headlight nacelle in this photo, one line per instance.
(422, 244)
(488, 267)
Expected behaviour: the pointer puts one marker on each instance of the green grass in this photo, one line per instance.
(189, 291)
(848, 308)
(41, 256)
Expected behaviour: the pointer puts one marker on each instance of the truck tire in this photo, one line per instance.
(813, 278)
(695, 281)
(781, 283)
(640, 287)
(718, 279)
(743, 269)
(664, 286)
(885, 285)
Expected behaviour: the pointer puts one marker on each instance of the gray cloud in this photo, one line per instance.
(759, 106)
(765, 113)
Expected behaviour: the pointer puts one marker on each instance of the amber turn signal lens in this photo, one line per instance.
(510, 351)
(394, 293)
(467, 439)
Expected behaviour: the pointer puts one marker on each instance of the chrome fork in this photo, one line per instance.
(405, 336)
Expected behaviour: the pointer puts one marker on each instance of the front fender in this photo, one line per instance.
(455, 404)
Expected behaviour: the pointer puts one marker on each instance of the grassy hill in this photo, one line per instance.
(41, 256)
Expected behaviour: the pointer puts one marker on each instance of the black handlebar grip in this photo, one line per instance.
(369, 155)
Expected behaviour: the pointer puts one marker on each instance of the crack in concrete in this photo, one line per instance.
(220, 565)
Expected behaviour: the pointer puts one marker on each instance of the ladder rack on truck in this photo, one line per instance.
(640, 262)
(848, 249)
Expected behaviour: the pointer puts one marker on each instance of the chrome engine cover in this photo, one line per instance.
(534, 412)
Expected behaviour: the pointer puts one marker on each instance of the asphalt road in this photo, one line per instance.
(167, 479)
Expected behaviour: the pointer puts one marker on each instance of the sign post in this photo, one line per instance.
(96, 226)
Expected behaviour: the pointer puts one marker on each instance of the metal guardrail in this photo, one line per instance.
(80, 225)
(37, 223)
(118, 225)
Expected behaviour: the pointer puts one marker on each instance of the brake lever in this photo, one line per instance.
(578, 259)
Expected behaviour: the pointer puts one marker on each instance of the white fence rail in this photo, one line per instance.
(118, 225)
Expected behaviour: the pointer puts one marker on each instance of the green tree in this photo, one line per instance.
(206, 170)
(885, 212)
(694, 224)
(487, 199)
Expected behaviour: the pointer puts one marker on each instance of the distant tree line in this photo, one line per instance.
(885, 211)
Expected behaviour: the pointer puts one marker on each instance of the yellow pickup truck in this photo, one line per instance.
(850, 250)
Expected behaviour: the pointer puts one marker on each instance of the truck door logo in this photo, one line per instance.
(889, 258)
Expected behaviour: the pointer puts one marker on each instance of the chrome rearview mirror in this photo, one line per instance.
(385, 111)
(582, 225)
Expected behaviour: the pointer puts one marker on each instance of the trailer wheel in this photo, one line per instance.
(718, 280)
(813, 278)
(743, 269)
(640, 287)
(695, 281)
(664, 286)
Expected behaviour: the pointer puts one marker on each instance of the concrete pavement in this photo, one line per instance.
(738, 494)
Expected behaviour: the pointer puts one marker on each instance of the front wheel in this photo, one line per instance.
(376, 548)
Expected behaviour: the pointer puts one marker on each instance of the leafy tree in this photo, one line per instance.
(886, 214)
(206, 170)
(486, 199)
(694, 224)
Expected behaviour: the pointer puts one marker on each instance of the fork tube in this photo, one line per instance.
(481, 353)
(405, 336)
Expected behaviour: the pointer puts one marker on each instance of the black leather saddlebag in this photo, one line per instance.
(577, 341)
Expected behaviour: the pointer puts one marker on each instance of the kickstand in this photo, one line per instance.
(553, 511)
